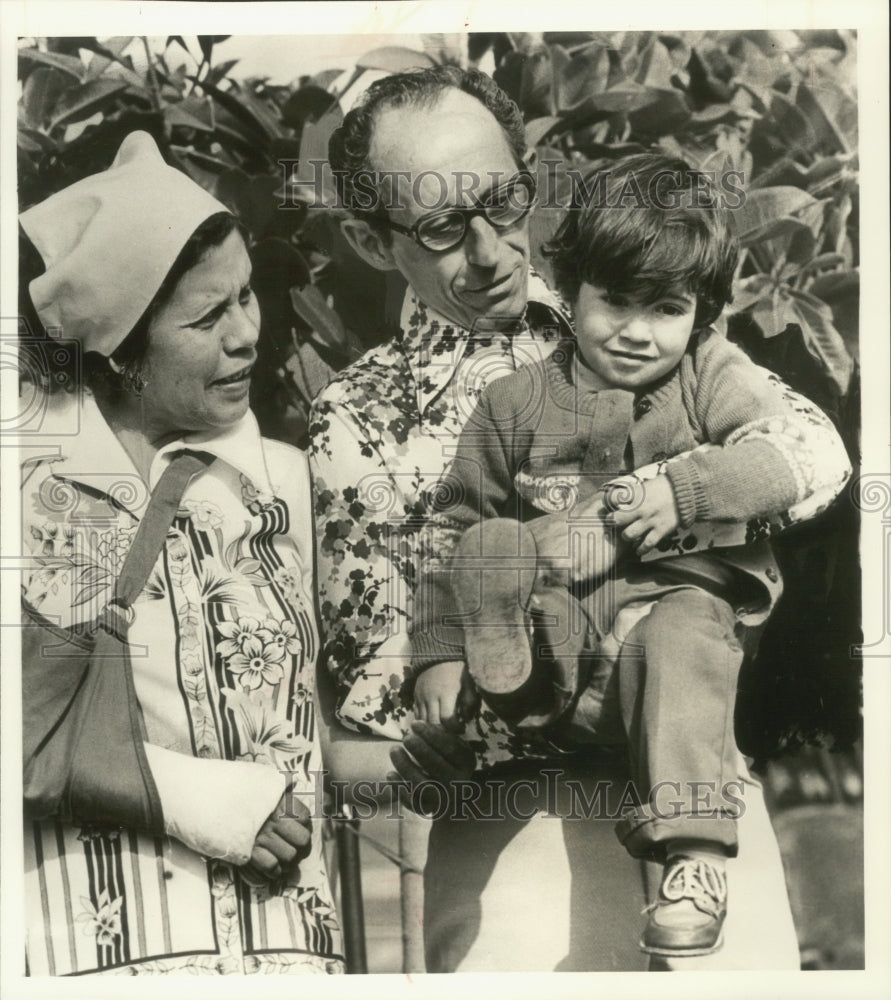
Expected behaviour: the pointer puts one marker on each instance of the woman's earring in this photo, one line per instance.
(133, 380)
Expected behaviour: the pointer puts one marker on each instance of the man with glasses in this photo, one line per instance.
(432, 167)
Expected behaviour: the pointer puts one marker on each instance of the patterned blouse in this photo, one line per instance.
(224, 645)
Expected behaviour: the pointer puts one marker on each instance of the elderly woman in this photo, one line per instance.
(149, 276)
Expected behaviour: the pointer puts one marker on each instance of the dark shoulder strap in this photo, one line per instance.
(159, 514)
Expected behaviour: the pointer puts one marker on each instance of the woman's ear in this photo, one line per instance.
(369, 243)
(117, 368)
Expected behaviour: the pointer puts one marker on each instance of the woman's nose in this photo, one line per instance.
(243, 330)
(482, 243)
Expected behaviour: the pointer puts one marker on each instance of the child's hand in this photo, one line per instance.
(283, 840)
(444, 695)
(650, 516)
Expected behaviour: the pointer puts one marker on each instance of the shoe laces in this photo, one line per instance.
(694, 879)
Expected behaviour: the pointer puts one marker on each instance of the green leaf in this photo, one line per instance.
(309, 371)
(310, 305)
(748, 291)
(794, 128)
(27, 143)
(314, 150)
(83, 101)
(840, 290)
(207, 42)
(771, 211)
(204, 160)
(712, 113)
(577, 77)
(667, 113)
(108, 53)
(831, 114)
(191, 113)
(538, 128)
(68, 64)
(656, 66)
(326, 78)
(534, 82)
(179, 41)
(622, 99)
(394, 59)
(277, 267)
(821, 337)
(257, 119)
(306, 104)
(823, 341)
(264, 113)
(41, 92)
(217, 73)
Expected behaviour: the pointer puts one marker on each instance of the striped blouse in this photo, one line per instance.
(224, 643)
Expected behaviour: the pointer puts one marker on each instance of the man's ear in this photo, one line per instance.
(114, 366)
(368, 243)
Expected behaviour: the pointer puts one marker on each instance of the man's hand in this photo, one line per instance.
(650, 516)
(444, 695)
(429, 753)
(283, 840)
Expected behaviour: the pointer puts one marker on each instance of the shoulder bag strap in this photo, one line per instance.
(159, 514)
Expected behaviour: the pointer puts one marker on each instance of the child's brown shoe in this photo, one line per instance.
(687, 918)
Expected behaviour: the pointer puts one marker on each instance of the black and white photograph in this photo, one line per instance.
(446, 498)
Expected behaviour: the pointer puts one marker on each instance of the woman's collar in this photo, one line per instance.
(240, 446)
(82, 448)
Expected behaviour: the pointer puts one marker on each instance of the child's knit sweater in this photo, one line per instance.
(538, 444)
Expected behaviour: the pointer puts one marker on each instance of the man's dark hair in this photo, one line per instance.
(655, 226)
(349, 146)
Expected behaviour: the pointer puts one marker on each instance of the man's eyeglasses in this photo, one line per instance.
(503, 207)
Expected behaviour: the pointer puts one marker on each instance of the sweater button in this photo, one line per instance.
(660, 456)
(772, 574)
(643, 406)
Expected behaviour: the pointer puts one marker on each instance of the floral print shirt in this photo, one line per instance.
(224, 642)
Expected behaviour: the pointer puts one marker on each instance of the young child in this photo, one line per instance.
(720, 446)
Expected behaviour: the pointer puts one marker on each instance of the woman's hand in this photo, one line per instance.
(283, 840)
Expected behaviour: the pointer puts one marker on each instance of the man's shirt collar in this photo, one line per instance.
(434, 346)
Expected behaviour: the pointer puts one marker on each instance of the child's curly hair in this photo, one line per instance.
(650, 224)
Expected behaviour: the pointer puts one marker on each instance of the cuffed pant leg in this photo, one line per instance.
(759, 934)
(677, 689)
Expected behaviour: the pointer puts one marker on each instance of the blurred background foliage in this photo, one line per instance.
(777, 107)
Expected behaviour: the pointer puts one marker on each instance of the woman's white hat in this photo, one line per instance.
(108, 242)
